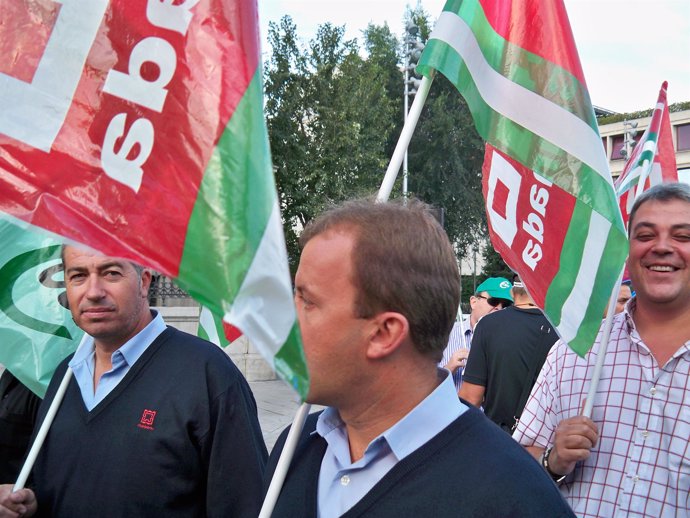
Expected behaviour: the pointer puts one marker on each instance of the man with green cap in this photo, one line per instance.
(491, 295)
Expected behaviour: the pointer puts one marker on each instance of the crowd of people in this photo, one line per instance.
(157, 422)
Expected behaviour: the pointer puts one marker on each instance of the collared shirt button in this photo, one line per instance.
(344, 480)
(635, 478)
(645, 433)
(652, 391)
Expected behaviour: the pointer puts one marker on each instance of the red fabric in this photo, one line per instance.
(538, 26)
(664, 168)
(526, 219)
(66, 189)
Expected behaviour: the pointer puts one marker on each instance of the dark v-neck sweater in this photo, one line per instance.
(177, 437)
(470, 469)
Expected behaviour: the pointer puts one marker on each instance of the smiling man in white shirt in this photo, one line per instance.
(632, 458)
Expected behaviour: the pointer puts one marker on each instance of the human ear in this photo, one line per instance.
(390, 330)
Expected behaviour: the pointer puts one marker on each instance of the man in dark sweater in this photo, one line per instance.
(376, 291)
(156, 422)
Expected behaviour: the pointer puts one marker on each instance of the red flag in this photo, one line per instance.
(138, 129)
(559, 227)
(653, 158)
(108, 135)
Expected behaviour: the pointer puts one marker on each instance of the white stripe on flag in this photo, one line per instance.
(263, 308)
(207, 322)
(531, 110)
(576, 304)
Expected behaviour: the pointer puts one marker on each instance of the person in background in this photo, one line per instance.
(632, 457)
(18, 409)
(509, 348)
(491, 295)
(624, 295)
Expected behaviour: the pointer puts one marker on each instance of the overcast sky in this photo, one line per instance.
(627, 47)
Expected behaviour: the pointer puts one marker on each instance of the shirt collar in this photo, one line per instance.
(421, 424)
(131, 350)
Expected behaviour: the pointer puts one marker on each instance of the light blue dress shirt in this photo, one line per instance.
(343, 483)
(83, 362)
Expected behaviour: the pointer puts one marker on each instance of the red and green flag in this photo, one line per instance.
(215, 329)
(552, 210)
(137, 128)
(653, 157)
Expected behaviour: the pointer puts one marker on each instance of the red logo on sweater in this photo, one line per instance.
(147, 418)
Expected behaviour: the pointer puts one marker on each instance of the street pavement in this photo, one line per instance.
(277, 404)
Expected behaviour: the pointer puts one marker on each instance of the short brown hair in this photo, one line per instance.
(402, 262)
(661, 192)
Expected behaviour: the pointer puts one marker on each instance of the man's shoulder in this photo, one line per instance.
(187, 343)
(439, 471)
(198, 355)
(497, 460)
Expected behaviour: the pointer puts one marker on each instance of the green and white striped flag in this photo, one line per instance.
(551, 206)
(213, 329)
(36, 328)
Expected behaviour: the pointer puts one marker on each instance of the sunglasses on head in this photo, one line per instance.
(493, 301)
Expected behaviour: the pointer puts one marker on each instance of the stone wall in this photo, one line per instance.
(241, 351)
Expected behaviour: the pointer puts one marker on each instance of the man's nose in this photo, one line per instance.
(662, 245)
(94, 288)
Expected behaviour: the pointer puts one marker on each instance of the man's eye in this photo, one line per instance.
(302, 300)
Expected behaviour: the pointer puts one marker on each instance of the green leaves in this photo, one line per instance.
(335, 111)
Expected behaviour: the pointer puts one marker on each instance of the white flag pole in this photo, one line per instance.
(404, 140)
(284, 461)
(42, 432)
(603, 345)
(608, 323)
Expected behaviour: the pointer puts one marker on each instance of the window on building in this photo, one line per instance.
(605, 141)
(616, 146)
(683, 137)
(617, 142)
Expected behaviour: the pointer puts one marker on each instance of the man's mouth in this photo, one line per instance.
(94, 312)
(661, 268)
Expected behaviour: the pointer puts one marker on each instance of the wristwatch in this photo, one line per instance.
(545, 463)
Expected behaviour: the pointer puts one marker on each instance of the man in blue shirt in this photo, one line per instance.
(376, 290)
(155, 423)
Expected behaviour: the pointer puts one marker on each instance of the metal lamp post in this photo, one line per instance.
(413, 51)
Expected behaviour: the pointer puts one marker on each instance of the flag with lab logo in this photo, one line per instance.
(551, 207)
(137, 128)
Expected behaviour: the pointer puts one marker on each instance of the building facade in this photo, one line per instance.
(613, 138)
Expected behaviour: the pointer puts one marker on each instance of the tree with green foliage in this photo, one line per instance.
(334, 118)
(494, 265)
(329, 117)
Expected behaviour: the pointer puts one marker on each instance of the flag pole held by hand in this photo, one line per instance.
(42, 432)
